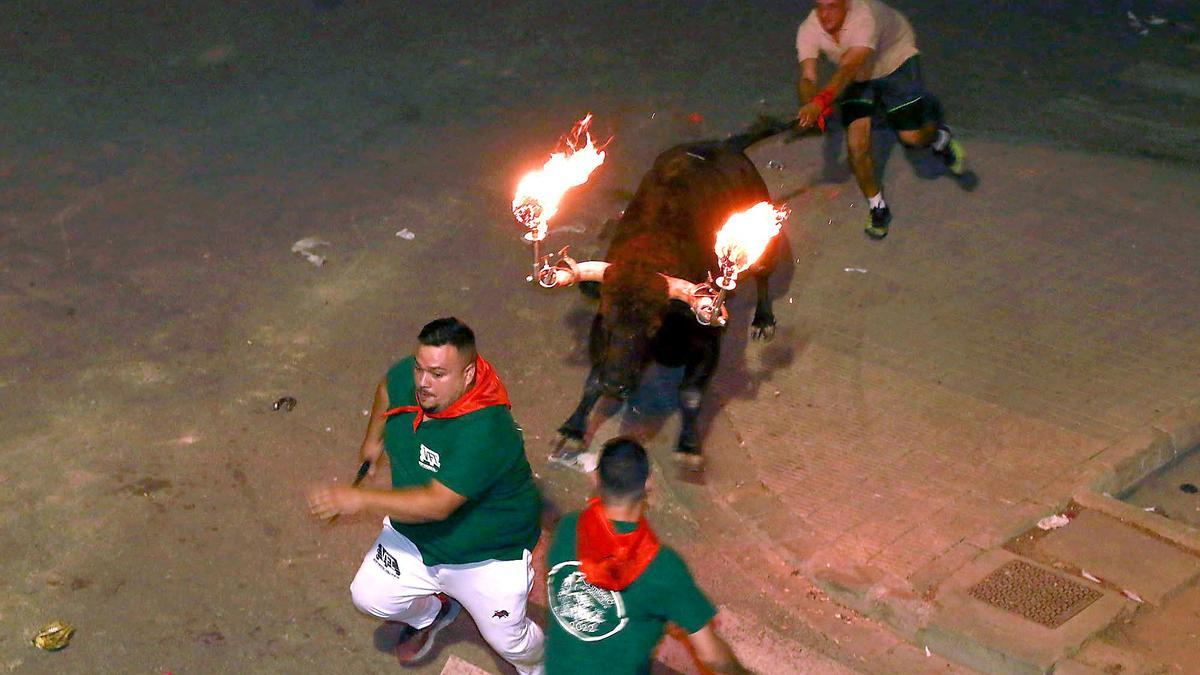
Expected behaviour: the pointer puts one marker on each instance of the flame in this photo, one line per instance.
(540, 191)
(745, 236)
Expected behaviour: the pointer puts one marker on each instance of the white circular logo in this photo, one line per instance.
(583, 610)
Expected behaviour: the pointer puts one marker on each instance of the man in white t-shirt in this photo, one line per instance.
(878, 67)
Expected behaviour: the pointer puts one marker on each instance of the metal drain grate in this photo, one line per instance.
(1034, 593)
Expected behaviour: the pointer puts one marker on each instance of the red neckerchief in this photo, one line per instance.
(609, 560)
(487, 391)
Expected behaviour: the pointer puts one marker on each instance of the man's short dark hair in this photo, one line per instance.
(449, 331)
(624, 469)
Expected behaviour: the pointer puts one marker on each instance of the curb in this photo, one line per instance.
(1114, 469)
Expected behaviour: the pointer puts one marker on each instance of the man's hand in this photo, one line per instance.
(809, 114)
(329, 501)
(372, 454)
(816, 110)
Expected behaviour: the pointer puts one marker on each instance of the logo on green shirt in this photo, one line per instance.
(583, 610)
(429, 459)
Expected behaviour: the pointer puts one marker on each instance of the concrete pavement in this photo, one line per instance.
(926, 399)
(931, 396)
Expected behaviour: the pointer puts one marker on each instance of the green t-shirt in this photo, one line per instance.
(592, 630)
(481, 456)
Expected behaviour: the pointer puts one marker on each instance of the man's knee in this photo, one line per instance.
(914, 138)
(858, 139)
(366, 597)
(520, 643)
(858, 146)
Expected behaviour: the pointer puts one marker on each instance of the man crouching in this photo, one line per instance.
(462, 516)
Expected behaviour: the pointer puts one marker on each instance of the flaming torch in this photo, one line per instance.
(540, 191)
(740, 243)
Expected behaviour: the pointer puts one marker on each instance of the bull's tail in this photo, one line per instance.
(763, 129)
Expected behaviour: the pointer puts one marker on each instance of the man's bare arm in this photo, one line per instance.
(806, 85)
(715, 653)
(851, 63)
(372, 445)
(426, 504)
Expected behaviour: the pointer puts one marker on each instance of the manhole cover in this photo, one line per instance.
(1034, 593)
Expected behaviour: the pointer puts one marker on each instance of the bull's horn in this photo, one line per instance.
(700, 297)
(568, 272)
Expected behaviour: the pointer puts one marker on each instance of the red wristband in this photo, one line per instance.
(824, 98)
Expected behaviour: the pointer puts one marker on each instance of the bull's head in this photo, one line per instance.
(700, 297)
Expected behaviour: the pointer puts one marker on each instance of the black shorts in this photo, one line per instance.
(901, 94)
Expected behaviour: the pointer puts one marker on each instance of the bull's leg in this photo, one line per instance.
(570, 442)
(763, 326)
(691, 394)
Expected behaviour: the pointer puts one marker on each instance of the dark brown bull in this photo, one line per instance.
(670, 229)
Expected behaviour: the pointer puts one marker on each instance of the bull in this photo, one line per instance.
(661, 252)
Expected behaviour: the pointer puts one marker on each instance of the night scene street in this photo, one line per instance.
(927, 402)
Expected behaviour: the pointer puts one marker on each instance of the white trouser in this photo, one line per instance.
(394, 584)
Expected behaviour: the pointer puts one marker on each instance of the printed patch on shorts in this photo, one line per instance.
(386, 561)
(583, 610)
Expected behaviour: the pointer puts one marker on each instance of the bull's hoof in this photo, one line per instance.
(763, 331)
(570, 453)
(690, 461)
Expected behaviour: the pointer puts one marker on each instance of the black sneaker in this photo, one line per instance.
(414, 643)
(878, 227)
(952, 154)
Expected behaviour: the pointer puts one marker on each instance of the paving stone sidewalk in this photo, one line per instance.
(930, 396)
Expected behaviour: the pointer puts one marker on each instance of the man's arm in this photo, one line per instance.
(714, 652)
(426, 504)
(852, 61)
(372, 445)
(806, 86)
(429, 503)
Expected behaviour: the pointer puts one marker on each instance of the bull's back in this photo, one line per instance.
(681, 203)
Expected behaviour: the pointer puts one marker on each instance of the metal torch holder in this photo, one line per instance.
(527, 214)
(547, 275)
(725, 285)
(539, 263)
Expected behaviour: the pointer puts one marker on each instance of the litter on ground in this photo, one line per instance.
(304, 248)
(1053, 522)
